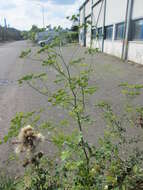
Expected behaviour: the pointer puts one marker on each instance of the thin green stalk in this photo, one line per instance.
(83, 98)
(36, 89)
(75, 106)
(79, 121)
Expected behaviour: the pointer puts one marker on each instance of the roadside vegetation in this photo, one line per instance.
(9, 34)
(32, 32)
(71, 34)
(114, 163)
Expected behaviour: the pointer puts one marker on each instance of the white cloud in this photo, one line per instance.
(23, 13)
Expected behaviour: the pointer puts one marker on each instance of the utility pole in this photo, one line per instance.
(43, 16)
(5, 29)
(5, 24)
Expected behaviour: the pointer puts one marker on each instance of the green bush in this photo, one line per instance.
(72, 37)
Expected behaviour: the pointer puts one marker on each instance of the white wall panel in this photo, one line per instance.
(137, 9)
(97, 44)
(96, 11)
(115, 11)
(88, 33)
(88, 8)
(81, 33)
(113, 48)
(81, 16)
(135, 52)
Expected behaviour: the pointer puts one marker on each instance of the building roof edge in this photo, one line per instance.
(84, 3)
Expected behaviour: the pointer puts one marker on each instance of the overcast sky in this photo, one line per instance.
(21, 14)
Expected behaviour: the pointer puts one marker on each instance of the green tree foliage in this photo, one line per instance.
(32, 32)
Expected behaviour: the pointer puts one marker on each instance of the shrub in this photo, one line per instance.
(78, 165)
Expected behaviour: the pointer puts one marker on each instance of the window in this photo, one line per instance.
(97, 33)
(108, 32)
(120, 29)
(100, 35)
(137, 29)
(94, 33)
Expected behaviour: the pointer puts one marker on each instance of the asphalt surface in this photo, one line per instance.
(14, 99)
(109, 72)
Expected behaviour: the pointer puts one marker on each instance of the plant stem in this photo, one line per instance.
(83, 98)
(36, 89)
(82, 139)
(75, 106)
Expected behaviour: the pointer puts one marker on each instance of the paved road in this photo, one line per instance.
(10, 70)
(13, 99)
(109, 73)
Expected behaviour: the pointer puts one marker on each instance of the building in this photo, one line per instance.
(113, 26)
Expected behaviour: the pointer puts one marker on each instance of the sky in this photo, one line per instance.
(21, 14)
